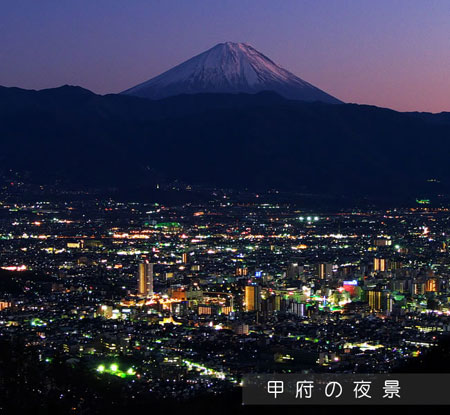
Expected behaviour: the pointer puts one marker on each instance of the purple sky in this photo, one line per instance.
(390, 53)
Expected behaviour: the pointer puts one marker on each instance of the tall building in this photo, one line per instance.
(374, 297)
(418, 288)
(380, 300)
(324, 271)
(252, 298)
(145, 278)
(431, 286)
(299, 309)
(379, 264)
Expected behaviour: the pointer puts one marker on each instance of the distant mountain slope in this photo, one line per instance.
(255, 141)
(440, 118)
(229, 68)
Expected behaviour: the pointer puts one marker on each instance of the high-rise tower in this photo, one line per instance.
(252, 298)
(145, 278)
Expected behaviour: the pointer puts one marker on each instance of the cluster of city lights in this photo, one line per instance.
(114, 369)
(309, 218)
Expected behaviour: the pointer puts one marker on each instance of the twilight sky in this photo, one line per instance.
(390, 53)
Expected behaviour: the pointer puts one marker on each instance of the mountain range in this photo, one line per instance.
(221, 130)
(260, 141)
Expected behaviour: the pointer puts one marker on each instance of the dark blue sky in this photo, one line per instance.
(392, 53)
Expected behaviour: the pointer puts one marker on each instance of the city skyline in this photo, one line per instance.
(210, 206)
(392, 54)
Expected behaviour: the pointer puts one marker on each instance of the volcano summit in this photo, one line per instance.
(229, 68)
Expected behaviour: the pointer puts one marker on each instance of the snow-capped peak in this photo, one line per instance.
(229, 68)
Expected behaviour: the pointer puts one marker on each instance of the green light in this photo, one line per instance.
(130, 371)
(168, 225)
(423, 201)
(100, 368)
(114, 367)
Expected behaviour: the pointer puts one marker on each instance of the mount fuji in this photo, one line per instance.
(229, 68)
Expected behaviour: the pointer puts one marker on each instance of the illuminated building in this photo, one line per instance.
(226, 310)
(379, 264)
(374, 300)
(431, 285)
(382, 242)
(252, 299)
(5, 304)
(380, 300)
(213, 309)
(185, 258)
(299, 309)
(205, 309)
(324, 271)
(388, 302)
(241, 271)
(145, 278)
(418, 288)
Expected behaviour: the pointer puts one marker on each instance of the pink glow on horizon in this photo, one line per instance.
(389, 53)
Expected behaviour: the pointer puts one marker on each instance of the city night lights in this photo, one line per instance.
(210, 207)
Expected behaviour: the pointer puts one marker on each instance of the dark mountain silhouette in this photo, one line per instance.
(254, 141)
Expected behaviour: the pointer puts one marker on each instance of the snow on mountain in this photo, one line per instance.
(229, 68)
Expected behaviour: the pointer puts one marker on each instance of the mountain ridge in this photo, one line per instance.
(224, 140)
